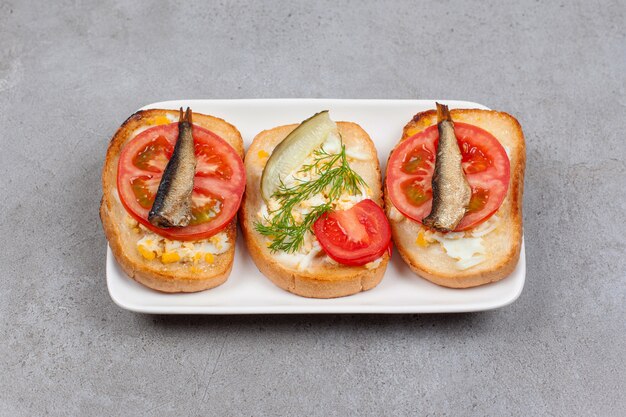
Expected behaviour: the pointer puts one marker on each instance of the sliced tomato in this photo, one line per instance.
(218, 185)
(485, 163)
(355, 236)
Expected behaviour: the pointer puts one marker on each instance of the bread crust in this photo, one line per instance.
(510, 211)
(175, 277)
(322, 280)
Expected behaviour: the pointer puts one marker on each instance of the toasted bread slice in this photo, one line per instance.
(123, 235)
(322, 279)
(502, 244)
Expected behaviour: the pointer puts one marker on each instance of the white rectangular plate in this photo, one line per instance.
(247, 291)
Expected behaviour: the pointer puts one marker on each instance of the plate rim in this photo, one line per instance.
(331, 309)
(308, 309)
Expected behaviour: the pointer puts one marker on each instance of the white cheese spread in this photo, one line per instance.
(466, 248)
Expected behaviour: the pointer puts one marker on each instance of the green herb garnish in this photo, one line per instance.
(334, 177)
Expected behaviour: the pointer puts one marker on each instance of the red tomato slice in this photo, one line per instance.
(355, 236)
(218, 184)
(485, 163)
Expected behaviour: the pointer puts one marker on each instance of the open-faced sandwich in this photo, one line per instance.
(172, 184)
(311, 215)
(453, 195)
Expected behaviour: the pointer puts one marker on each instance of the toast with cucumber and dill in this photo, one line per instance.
(172, 183)
(453, 195)
(312, 213)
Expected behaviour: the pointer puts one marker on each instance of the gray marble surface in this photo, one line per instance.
(71, 72)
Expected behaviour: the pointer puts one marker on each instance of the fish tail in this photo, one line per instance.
(442, 113)
(184, 116)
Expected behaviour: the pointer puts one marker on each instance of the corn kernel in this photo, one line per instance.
(262, 154)
(412, 132)
(170, 257)
(215, 240)
(159, 120)
(421, 240)
(209, 258)
(196, 258)
(148, 254)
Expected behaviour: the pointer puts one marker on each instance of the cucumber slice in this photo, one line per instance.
(291, 153)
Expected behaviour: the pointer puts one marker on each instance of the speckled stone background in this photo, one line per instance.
(71, 72)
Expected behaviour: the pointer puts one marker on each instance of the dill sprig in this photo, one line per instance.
(333, 177)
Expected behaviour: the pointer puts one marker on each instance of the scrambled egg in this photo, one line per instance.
(152, 246)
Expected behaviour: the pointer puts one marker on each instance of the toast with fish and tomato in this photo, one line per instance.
(172, 183)
(312, 214)
(453, 195)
